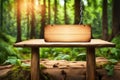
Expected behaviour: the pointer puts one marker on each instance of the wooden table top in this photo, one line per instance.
(42, 43)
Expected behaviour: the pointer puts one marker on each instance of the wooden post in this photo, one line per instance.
(91, 65)
(35, 64)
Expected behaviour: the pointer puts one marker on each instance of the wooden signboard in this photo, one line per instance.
(67, 33)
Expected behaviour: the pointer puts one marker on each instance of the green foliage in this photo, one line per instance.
(116, 40)
(4, 37)
(110, 66)
(113, 61)
(13, 60)
(110, 69)
(62, 57)
(110, 53)
(92, 14)
(81, 56)
(6, 49)
(63, 53)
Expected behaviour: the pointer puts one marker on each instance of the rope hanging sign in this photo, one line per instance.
(68, 33)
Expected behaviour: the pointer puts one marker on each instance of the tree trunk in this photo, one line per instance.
(18, 21)
(55, 9)
(32, 35)
(49, 11)
(115, 19)
(77, 11)
(43, 19)
(65, 12)
(1, 13)
(104, 21)
(28, 19)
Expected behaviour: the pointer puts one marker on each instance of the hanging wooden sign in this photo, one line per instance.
(67, 33)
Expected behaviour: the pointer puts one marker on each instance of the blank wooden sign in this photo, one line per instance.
(67, 33)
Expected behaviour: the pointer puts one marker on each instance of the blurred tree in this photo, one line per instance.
(66, 18)
(18, 21)
(65, 12)
(104, 21)
(43, 19)
(1, 13)
(32, 33)
(28, 19)
(55, 10)
(115, 19)
(49, 12)
(77, 11)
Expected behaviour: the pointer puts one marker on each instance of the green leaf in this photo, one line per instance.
(110, 69)
(13, 60)
(25, 65)
(113, 61)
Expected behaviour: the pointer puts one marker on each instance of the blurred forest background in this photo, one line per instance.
(25, 19)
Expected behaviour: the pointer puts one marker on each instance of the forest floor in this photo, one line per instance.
(70, 70)
(5, 69)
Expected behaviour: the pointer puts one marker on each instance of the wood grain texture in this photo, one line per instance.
(42, 43)
(67, 33)
(35, 64)
(91, 65)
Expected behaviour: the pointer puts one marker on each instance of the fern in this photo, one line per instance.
(4, 37)
(5, 48)
(5, 51)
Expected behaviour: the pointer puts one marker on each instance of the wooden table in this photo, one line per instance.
(34, 44)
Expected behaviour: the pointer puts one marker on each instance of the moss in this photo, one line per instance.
(42, 67)
(21, 73)
(17, 73)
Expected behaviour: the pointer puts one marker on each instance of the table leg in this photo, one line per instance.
(35, 63)
(91, 64)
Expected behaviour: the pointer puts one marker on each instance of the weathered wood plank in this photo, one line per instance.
(35, 64)
(42, 43)
(91, 65)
